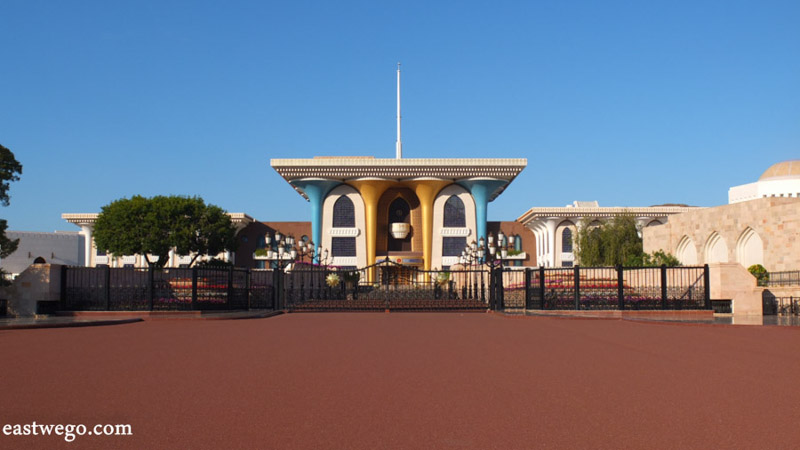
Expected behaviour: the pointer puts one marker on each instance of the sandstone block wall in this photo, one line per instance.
(775, 220)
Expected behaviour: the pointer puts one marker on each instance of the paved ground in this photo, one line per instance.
(411, 380)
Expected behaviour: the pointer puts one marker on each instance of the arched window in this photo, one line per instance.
(344, 213)
(454, 215)
(566, 241)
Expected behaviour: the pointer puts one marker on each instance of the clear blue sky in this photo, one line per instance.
(625, 102)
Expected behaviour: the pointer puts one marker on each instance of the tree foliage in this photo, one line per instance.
(659, 258)
(157, 225)
(612, 243)
(617, 242)
(10, 170)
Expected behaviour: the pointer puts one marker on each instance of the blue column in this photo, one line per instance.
(316, 191)
(481, 191)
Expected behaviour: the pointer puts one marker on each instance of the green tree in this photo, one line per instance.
(10, 170)
(589, 245)
(617, 242)
(614, 242)
(159, 224)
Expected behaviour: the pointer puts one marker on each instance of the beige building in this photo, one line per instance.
(94, 257)
(555, 228)
(764, 229)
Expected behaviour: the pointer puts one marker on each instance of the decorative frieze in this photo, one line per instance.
(344, 261)
(344, 232)
(398, 169)
(456, 232)
(449, 260)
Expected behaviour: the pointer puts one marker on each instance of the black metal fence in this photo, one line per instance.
(783, 306)
(787, 278)
(385, 285)
(129, 289)
(616, 288)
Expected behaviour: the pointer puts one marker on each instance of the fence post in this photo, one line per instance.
(275, 289)
(108, 288)
(492, 288)
(194, 288)
(247, 287)
(63, 293)
(541, 287)
(151, 289)
(483, 290)
(527, 287)
(577, 285)
(229, 300)
(663, 286)
(620, 287)
(706, 287)
(501, 291)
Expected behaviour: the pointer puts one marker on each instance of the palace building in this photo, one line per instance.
(419, 212)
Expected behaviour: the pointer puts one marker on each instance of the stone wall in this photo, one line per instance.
(731, 281)
(39, 282)
(776, 221)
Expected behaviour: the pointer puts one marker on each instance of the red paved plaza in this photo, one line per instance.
(375, 381)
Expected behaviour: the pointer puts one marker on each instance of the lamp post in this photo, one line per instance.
(284, 250)
(306, 249)
(492, 253)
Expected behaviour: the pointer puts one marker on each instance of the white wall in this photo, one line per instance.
(327, 225)
(438, 221)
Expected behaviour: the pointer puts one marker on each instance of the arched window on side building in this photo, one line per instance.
(454, 213)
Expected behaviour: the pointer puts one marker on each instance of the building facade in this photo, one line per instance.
(93, 257)
(413, 211)
(555, 229)
(779, 180)
(760, 225)
(60, 247)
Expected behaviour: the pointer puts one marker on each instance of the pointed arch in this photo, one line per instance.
(716, 250)
(686, 251)
(749, 248)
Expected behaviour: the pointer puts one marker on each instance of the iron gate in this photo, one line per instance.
(389, 285)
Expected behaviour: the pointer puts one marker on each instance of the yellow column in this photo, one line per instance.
(426, 190)
(371, 191)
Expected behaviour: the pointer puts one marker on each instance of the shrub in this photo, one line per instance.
(761, 274)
